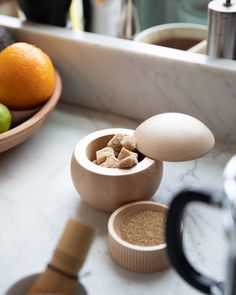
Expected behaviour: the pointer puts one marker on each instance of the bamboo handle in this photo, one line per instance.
(73, 246)
(60, 277)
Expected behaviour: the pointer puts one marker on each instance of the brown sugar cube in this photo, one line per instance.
(103, 154)
(129, 142)
(125, 153)
(128, 162)
(111, 162)
(115, 142)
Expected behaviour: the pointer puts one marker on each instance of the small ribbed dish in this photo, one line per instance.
(130, 256)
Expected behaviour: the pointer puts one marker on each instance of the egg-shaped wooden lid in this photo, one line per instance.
(173, 137)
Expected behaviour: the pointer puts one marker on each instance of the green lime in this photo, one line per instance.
(5, 118)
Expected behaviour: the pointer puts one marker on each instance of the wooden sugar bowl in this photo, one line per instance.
(109, 188)
(164, 137)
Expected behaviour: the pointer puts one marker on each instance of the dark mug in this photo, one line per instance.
(52, 12)
(175, 243)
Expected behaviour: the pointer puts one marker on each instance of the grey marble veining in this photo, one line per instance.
(37, 197)
(138, 80)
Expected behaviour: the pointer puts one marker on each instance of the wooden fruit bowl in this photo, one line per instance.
(26, 129)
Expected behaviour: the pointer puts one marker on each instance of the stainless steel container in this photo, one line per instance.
(102, 16)
(221, 41)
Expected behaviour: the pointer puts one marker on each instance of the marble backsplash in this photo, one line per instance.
(137, 80)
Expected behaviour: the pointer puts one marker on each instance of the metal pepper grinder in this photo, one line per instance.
(221, 41)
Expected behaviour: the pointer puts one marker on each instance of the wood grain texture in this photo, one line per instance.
(133, 257)
(25, 130)
(18, 117)
(109, 188)
(174, 137)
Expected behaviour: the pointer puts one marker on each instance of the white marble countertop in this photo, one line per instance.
(37, 197)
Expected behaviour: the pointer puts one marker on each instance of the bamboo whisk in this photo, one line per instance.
(60, 276)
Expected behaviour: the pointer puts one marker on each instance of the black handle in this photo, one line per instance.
(174, 241)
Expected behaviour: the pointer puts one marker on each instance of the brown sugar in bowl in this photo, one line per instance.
(131, 256)
(109, 188)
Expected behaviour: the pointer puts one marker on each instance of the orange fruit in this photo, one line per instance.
(27, 76)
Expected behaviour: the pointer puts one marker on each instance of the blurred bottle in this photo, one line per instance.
(110, 17)
(53, 12)
(129, 22)
(102, 16)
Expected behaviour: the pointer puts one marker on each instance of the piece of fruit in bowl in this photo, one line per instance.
(27, 80)
(5, 118)
(30, 88)
(27, 76)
